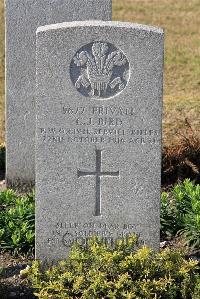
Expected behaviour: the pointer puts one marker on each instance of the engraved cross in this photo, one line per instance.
(98, 173)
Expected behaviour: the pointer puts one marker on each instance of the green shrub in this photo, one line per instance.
(171, 220)
(180, 212)
(191, 230)
(99, 271)
(17, 221)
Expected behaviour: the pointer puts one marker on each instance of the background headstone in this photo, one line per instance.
(23, 17)
(98, 135)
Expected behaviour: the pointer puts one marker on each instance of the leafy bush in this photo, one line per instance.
(170, 217)
(180, 212)
(191, 230)
(99, 271)
(17, 221)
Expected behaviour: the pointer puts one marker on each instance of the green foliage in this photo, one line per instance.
(191, 230)
(180, 212)
(17, 217)
(99, 271)
(2, 156)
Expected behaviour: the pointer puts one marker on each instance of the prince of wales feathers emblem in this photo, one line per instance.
(97, 70)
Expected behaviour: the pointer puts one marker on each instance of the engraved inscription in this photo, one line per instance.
(99, 124)
(68, 233)
(98, 173)
(99, 70)
(88, 135)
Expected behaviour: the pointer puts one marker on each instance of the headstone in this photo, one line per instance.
(23, 17)
(98, 135)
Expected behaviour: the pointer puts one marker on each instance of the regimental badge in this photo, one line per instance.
(99, 70)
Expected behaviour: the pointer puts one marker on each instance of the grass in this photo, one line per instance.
(181, 22)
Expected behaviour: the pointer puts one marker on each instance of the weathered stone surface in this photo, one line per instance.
(98, 135)
(22, 19)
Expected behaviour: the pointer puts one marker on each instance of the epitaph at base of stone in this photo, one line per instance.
(23, 17)
(98, 135)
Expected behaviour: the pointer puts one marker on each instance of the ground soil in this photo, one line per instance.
(11, 284)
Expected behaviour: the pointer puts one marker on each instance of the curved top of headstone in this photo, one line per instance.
(93, 23)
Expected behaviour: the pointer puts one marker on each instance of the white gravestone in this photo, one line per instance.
(98, 134)
(23, 17)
